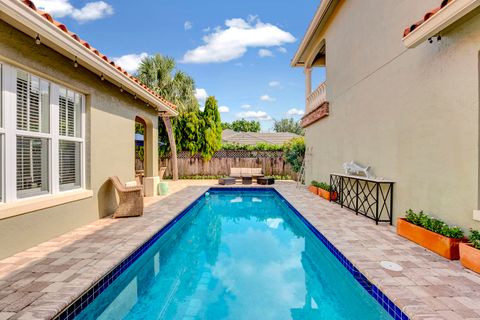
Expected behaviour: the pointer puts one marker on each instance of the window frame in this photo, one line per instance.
(9, 133)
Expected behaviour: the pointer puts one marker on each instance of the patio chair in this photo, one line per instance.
(131, 199)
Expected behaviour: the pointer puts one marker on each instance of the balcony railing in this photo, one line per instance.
(317, 98)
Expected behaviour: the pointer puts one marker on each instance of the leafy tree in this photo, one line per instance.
(288, 125)
(188, 133)
(242, 126)
(159, 74)
(139, 128)
(226, 125)
(212, 129)
(294, 153)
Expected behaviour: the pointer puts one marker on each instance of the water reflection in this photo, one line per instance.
(236, 257)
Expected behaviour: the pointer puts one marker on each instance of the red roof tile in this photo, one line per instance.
(62, 27)
(427, 16)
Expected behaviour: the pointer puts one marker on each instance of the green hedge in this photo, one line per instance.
(435, 225)
(257, 147)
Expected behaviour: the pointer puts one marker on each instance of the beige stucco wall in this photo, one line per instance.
(110, 143)
(412, 114)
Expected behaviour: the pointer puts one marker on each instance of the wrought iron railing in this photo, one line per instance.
(317, 97)
(372, 198)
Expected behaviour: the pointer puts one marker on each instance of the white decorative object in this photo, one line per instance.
(354, 169)
(389, 265)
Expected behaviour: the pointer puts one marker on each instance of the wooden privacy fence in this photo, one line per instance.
(271, 162)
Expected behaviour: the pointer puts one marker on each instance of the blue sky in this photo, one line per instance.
(238, 51)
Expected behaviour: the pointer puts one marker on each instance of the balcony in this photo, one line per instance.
(316, 106)
(316, 98)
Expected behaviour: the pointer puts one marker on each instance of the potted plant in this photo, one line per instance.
(325, 190)
(313, 187)
(431, 233)
(470, 252)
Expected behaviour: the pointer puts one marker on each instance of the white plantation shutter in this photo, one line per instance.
(32, 166)
(70, 107)
(69, 160)
(22, 101)
(70, 154)
(33, 109)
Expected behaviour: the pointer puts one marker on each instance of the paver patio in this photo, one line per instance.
(39, 282)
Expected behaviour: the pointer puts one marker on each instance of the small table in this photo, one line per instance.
(226, 181)
(247, 180)
(265, 180)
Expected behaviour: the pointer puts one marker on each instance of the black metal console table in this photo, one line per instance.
(372, 198)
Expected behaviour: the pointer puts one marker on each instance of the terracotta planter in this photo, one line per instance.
(326, 194)
(313, 189)
(470, 257)
(444, 246)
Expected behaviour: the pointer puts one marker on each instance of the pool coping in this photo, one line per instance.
(81, 302)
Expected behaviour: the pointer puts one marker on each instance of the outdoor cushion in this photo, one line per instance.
(235, 172)
(246, 172)
(257, 172)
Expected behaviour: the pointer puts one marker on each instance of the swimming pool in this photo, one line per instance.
(237, 254)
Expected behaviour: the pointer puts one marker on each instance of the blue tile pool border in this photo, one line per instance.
(79, 304)
(372, 289)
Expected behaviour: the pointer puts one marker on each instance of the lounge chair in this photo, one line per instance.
(131, 199)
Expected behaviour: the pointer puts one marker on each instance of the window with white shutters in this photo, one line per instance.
(32, 166)
(41, 136)
(33, 110)
(70, 148)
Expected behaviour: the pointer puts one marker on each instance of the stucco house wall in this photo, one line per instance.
(411, 114)
(110, 126)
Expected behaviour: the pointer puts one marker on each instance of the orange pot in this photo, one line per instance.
(470, 257)
(313, 189)
(444, 246)
(326, 194)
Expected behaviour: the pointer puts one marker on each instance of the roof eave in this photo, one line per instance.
(64, 44)
(439, 21)
(321, 16)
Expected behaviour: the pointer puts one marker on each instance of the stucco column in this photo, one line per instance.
(308, 81)
(173, 146)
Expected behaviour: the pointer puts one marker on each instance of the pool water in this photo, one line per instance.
(236, 255)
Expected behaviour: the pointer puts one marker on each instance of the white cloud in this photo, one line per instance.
(257, 115)
(187, 25)
(282, 50)
(266, 97)
(274, 84)
(263, 53)
(223, 109)
(201, 94)
(295, 112)
(63, 8)
(130, 62)
(232, 42)
(246, 106)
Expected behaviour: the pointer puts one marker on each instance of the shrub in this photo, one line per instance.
(322, 185)
(474, 238)
(435, 225)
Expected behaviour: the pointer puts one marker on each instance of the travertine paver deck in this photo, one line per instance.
(41, 281)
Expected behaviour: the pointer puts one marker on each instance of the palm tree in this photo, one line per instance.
(158, 73)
